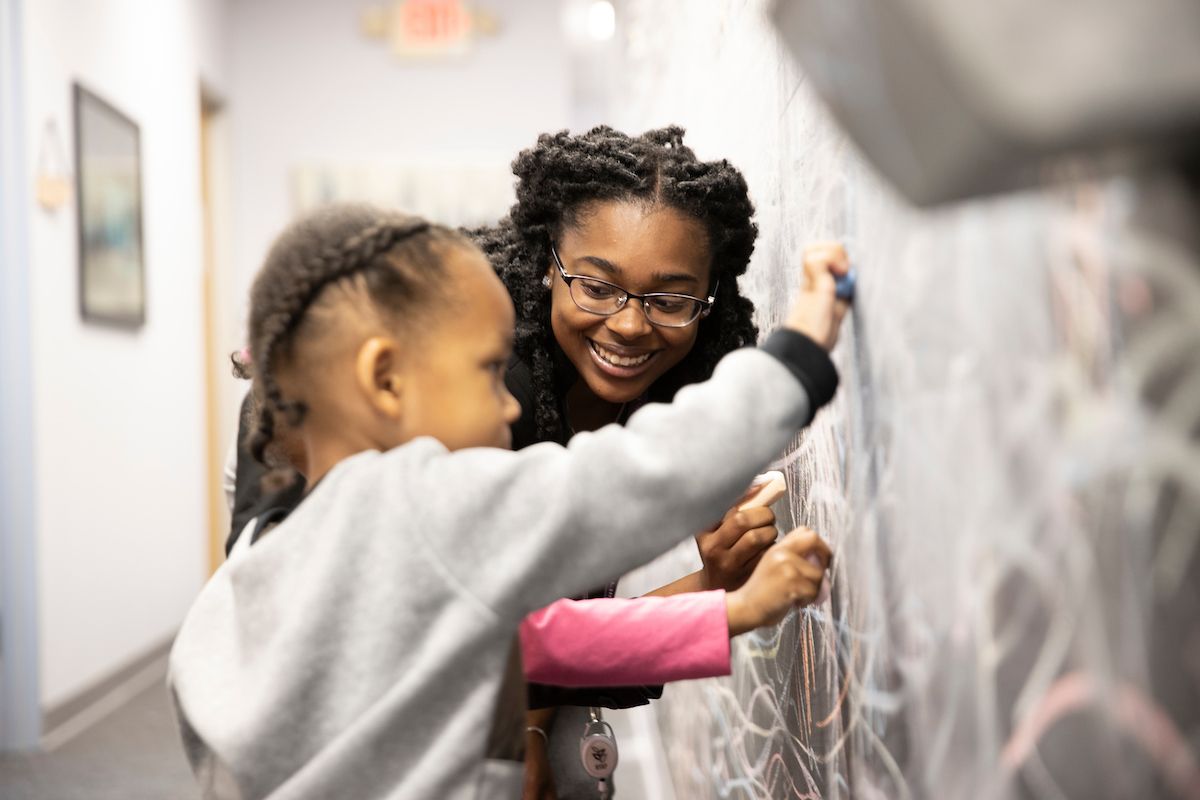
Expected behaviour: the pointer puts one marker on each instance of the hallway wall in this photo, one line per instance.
(289, 109)
(118, 414)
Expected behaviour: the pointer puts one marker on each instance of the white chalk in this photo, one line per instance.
(764, 490)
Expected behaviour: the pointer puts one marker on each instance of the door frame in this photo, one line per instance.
(214, 298)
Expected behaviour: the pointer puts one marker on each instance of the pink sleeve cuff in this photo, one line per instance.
(627, 642)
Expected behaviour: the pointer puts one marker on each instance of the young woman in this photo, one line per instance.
(622, 255)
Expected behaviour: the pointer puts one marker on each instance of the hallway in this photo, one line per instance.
(132, 754)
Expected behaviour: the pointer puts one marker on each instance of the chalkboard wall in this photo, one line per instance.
(1010, 474)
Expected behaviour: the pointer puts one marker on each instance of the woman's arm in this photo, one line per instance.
(539, 779)
(695, 582)
(732, 549)
(730, 552)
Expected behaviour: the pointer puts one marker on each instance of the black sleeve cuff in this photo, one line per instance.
(808, 361)
(543, 696)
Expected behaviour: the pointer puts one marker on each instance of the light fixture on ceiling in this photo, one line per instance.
(601, 20)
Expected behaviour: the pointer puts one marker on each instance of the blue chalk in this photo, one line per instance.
(845, 286)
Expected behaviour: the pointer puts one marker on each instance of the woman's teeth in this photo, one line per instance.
(617, 360)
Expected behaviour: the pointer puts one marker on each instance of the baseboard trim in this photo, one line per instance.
(66, 720)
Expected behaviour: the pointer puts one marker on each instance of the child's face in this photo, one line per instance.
(641, 249)
(453, 379)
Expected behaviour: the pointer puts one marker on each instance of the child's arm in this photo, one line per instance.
(644, 640)
(519, 530)
(649, 640)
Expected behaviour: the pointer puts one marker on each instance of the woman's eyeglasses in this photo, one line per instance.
(665, 309)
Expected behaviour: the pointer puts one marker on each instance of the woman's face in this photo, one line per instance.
(642, 248)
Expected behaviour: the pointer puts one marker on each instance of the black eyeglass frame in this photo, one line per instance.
(625, 295)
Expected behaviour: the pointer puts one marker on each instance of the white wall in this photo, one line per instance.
(118, 416)
(210, 29)
(306, 86)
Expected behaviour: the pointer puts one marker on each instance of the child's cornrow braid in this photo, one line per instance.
(276, 315)
(558, 178)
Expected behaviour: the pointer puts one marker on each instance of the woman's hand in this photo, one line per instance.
(731, 551)
(787, 575)
(818, 312)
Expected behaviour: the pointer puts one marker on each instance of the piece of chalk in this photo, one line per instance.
(763, 478)
(764, 490)
(845, 286)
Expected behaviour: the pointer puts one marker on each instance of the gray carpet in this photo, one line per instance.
(133, 754)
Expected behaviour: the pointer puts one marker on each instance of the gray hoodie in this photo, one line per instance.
(356, 651)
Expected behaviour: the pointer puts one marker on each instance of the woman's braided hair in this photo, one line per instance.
(558, 180)
(393, 253)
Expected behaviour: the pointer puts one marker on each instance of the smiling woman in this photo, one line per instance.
(645, 215)
(621, 348)
(621, 256)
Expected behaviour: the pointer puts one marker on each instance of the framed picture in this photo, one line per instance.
(108, 169)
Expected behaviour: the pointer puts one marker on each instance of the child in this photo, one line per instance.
(357, 649)
(645, 640)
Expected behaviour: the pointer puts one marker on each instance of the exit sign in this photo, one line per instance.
(418, 29)
(430, 28)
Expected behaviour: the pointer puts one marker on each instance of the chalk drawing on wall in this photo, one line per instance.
(1015, 608)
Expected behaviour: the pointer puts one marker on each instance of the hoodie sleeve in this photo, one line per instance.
(520, 530)
(645, 640)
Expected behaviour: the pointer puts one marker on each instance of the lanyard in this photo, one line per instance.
(598, 750)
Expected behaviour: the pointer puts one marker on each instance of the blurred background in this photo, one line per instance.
(119, 404)
(1011, 472)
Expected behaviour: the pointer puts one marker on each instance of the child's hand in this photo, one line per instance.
(784, 577)
(817, 312)
(731, 551)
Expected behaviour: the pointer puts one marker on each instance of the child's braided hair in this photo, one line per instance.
(557, 181)
(393, 253)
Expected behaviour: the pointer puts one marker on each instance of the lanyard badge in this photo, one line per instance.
(598, 750)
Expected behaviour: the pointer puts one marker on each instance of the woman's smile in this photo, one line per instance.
(637, 248)
(621, 362)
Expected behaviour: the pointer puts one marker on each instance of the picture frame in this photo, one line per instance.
(108, 192)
